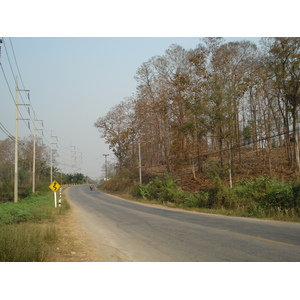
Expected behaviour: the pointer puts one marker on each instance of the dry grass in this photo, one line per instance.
(74, 243)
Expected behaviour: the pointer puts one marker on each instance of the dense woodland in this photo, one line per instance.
(223, 108)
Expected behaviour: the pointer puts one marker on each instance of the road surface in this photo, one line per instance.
(128, 231)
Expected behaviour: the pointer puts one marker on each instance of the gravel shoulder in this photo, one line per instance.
(77, 241)
(74, 242)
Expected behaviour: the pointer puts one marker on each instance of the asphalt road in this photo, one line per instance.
(129, 231)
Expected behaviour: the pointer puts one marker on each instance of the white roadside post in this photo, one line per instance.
(59, 201)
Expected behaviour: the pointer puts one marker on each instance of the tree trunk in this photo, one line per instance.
(229, 164)
(296, 139)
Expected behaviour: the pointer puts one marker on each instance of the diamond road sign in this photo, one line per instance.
(54, 186)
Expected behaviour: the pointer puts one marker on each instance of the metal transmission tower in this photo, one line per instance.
(79, 162)
(73, 158)
(16, 175)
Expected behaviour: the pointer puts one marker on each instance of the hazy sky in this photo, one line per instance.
(73, 82)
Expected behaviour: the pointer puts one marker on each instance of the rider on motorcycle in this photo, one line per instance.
(91, 187)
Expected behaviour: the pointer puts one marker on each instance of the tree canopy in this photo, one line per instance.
(211, 102)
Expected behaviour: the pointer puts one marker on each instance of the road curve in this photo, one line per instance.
(129, 231)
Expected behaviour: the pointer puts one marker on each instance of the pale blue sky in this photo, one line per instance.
(73, 82)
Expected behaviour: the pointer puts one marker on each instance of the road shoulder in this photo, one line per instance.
(74, 242)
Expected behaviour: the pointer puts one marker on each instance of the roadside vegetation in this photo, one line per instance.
(214, 128)
(28, 231)
(261, 197)
(42, 169)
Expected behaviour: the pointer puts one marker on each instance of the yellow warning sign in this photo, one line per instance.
(54, 186)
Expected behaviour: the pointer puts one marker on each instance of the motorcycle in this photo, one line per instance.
(91, 187)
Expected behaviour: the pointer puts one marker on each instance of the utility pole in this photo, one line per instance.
(33, 164)
(16, 178)
(51, 157)
(140, 160)
(105, 165)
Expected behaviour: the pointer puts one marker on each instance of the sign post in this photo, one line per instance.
(54, 186)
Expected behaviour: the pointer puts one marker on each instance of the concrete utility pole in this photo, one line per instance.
(105, 165)
(16, 178)
(16, 151)
(51, 157)
(140, 160)
(33, 164)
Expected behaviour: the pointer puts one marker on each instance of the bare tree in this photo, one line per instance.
(115, 128)
(282, 64)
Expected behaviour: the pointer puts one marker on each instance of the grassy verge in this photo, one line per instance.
(27, 228)
(263, 197)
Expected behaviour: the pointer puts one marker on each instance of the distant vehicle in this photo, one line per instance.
(91, 187)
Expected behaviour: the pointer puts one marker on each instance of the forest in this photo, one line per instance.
(225, 110)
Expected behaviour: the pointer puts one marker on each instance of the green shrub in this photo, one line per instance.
(266, 196)
(282, 199)
(199, 199)
(6, 192)
(261, 197)
(296, 195)
(136, 191)
(162, 188)
(33, 208)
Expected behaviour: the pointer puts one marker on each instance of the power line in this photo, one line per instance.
(24, 88)
(7, 83)
(19, 73)
(15, 70)
(14, 77)
(7, 132)
(16, 63)
(22, 83)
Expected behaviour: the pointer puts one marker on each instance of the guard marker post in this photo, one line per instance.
(59, 201)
